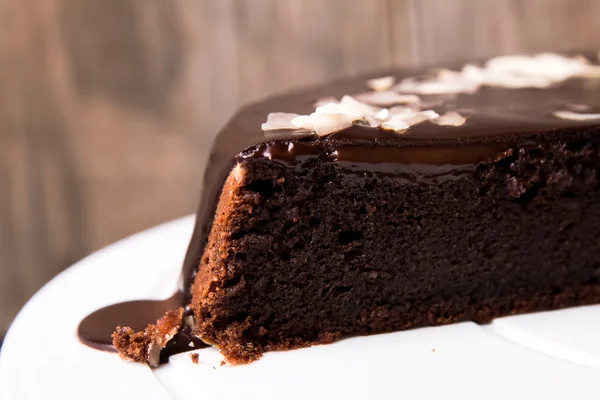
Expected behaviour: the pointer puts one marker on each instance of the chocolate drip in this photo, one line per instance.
(498, 120)
(96, 329)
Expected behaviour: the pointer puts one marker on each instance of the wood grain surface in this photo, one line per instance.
(108, 107)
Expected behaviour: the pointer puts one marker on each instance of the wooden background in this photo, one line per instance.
(108, 107)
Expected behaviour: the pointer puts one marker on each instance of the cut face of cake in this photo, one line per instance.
(439, 196)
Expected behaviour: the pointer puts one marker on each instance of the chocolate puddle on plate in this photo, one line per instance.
(96, 329)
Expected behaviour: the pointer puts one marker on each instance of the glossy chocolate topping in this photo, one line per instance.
(498, 121)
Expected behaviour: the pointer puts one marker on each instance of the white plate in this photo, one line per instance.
(553, 355)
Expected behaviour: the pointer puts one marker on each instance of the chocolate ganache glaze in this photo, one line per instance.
(499, 121)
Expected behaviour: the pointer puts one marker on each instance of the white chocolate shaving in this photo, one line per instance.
(450, 118)
(356, 109)
(511, 72)
(303, 122)
(401, 122)
(277, 121)
(382, 115)
(576, 116)
(551, 67)
(326, 124)
(372, 121)
(395, 124)
(421, 116)
(381, 84)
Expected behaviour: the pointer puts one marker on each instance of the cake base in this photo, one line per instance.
(385, 319)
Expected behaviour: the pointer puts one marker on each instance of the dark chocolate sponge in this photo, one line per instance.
(300, 258)
(368, 231)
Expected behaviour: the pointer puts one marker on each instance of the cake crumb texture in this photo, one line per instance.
(145, 346)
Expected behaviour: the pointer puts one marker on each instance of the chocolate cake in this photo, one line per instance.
(435, 197)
